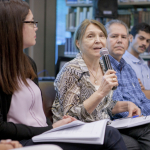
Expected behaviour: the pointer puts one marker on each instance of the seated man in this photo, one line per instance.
(129, 88)
(139, 41)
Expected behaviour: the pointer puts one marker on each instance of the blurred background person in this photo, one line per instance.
(139, 40)
(128, 86)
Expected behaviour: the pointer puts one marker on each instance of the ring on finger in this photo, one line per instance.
(113, 79)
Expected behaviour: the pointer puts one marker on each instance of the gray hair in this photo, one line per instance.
(115, 21)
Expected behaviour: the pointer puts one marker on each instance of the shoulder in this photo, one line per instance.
(70, 71)
(130, 71)
(71, 67)
(126, 58)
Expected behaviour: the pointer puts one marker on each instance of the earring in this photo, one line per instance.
(81, 53)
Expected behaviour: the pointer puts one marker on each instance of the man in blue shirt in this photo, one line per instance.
(129, 88)
(139, 39)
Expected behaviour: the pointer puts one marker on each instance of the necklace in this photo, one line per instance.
(95, 79)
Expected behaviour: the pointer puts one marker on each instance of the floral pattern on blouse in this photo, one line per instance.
(73, 87)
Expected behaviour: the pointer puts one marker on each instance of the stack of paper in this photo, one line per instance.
(130, 122)
(76, 132)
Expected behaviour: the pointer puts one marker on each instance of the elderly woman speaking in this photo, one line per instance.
(83, 88)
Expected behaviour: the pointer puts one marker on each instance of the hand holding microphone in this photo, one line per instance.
(105, 57)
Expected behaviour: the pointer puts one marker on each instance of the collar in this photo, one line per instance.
(133, 58)
(117, 64)
(83, 65)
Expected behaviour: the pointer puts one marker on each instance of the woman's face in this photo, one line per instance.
(93, 40)
(29, 31)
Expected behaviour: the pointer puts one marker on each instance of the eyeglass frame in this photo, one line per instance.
(34, 23)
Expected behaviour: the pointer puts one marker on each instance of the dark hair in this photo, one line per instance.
(14, 64)
(82, 27)
(140, 27)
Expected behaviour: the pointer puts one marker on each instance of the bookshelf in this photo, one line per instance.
(133, 3)
(129, 11)
(77, 12)
(79, 4)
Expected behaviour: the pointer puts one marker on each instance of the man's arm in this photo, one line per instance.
(146, 92)
(126, 106)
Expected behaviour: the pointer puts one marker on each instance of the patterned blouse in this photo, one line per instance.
(73, 87)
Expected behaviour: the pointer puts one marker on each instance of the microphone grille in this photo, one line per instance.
(104, 51)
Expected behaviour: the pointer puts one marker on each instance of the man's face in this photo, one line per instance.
(117, 40)
(140, 42)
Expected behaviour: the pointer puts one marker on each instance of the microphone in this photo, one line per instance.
(104, 54)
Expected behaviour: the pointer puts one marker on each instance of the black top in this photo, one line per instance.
(9, 130)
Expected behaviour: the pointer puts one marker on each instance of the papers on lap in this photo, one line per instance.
(76, 132)
(89, 133)
(40, 147)
(130, 122)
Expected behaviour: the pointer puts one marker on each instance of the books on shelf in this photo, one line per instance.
(79, 1)
(124, 1)
(133, 16)
(70, 48)
(89, 133)
(76, 15)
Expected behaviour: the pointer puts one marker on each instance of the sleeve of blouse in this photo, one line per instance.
(9, 130)
(111, 103)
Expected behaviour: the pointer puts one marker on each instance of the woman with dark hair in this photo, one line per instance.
(21, 112)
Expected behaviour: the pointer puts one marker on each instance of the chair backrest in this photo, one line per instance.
(48, 95)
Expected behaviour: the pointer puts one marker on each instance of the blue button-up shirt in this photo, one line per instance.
(129, 88)
(141, 69)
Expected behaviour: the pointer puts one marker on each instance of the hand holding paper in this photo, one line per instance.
(130, 122)
(76, 132)
(66, 119)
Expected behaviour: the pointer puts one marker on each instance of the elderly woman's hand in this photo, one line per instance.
(65, 120)
(133, 110)
(109, 80)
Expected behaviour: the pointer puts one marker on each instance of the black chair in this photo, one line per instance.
(60, 62)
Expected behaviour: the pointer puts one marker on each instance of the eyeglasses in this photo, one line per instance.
(32, 22)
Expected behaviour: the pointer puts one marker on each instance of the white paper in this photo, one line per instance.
(130, 122)
(87, 133)
(40, 147)
(72, 124)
